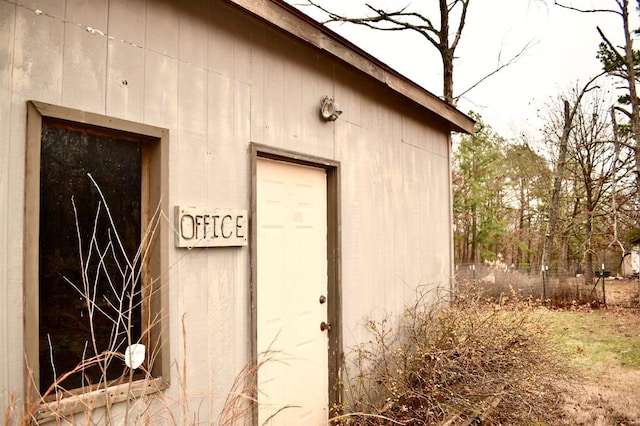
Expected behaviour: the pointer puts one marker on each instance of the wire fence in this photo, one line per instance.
(478, 270)
(528, 280)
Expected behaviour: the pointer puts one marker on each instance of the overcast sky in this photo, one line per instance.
(562, 53)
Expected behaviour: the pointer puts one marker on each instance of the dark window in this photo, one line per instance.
(89, 268)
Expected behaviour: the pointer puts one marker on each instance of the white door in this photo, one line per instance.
(291, 221)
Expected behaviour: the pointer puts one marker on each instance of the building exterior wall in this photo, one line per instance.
(219, 80)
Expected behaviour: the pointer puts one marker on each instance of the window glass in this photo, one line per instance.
(88, 250)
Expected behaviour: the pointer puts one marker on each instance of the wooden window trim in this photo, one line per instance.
(65, 407)
(155, 168)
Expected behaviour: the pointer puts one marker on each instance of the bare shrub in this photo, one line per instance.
(451, 363)
(136, 391)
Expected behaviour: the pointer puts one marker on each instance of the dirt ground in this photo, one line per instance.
(622, 292)
(610, 395)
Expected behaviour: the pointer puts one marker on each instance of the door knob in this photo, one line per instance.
(325, 326)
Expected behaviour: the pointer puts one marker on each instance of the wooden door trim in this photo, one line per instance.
(334, 307)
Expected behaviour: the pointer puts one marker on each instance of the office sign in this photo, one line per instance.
(210, 227)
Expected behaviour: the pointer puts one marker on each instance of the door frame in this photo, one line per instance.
(334, 293)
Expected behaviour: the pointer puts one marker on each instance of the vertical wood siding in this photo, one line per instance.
(9, 359)
(218, 80)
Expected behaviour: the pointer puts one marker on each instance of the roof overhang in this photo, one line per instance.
(301, 26)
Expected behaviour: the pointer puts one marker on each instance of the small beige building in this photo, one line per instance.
(191, 187)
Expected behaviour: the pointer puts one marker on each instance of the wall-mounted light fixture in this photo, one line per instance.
(329, 110)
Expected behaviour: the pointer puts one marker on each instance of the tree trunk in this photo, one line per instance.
(588, 268)
(520, 222)
(474, 235)
(633, 93)
(557, 186)
(529, 245)
(446, 53)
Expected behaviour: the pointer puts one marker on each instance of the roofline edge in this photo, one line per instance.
(307, 29)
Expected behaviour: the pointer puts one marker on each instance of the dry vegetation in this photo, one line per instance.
(602, 343)
(493, 357)
(498, 356)
(469, 362)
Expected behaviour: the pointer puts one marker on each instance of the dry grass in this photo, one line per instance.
(604, 345)
(610, 399)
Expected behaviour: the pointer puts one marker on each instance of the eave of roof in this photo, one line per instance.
(296, 23)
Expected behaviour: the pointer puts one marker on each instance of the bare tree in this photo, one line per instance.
(443, 34)
(621, 62)
(595, 164)
(563, 133)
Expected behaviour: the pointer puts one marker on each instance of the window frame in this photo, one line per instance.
(155, 185)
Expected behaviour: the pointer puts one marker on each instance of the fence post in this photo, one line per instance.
(604, 295)
(545, 271)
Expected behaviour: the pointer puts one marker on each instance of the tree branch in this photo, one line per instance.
(461, 23)
(499, 68)
(577, 9)
(611, 46)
